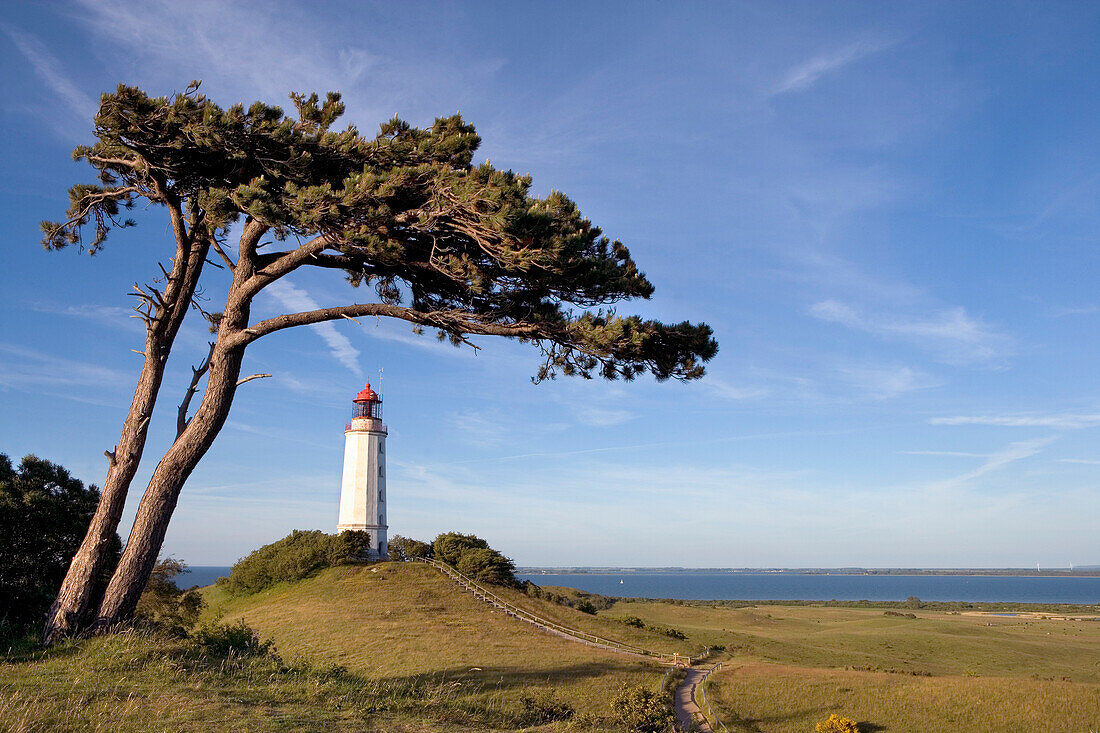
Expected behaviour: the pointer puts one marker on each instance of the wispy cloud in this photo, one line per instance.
(951, 333)
(884, 382)
(1083, 461)
(1083, 310)
(1068, 421)
(1012, 453)
(295, 299)
(954, 453)
(727, 391)
(49, 70)
(601, 417)
(104, 315)
(809, 72)
(33, 371)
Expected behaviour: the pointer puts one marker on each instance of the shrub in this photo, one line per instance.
(633, 621)
(544, 707)
(450, 546)
(295, 557)
(44, 513)
(221, 640)
(164, 604)
(404, 548)
(487, 566)
(642, 710)
(473, 557)
(837, 724)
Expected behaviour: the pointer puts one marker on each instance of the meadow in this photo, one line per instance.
(789, 667)
(398, 647)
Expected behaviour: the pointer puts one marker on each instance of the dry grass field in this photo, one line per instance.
(400, 622)
(399, 648)
(791, 666)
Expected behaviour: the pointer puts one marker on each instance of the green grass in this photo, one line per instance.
(398, 647)
(936, 643)
(396, 621)
(791, 666)
(769, 698)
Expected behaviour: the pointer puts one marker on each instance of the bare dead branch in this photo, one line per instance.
(196, 376)
(221, 253)
(250, 378)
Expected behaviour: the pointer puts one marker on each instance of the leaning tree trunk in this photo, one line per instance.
(68, 614)
(162, 493)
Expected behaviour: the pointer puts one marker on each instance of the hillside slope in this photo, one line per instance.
(398, 622)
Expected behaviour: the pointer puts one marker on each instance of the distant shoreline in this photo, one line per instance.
(1090, 571)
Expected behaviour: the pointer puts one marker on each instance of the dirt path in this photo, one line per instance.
(687, 709)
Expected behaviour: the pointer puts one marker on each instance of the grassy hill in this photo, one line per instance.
(405, 621)
(397, 647)
(388, 647)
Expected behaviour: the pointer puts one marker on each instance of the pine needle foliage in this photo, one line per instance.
(450, 245)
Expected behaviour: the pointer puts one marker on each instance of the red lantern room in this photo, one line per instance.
(368, 403)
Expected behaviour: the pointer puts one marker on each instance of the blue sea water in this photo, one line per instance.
(817, 587)
(797, 586)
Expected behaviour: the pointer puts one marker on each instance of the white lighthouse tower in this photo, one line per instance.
(363, 489)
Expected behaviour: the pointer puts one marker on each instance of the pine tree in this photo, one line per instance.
(434, 240)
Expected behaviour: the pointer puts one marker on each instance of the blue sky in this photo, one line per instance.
(887, 212)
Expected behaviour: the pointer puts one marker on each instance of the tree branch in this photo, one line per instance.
(250, 378)
(278, 264)
(454, 322)
(221, 253)
(196, 375)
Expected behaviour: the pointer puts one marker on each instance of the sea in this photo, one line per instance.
(793, 586)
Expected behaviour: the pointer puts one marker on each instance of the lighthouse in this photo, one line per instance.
(363, 488)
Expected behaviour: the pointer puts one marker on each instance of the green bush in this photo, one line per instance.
(544, 707)
(44, 513)
(295, 557)
(164, 604)
(642, 710)
(450, 546)
(473, 557)
(221, 640)
(486, 565)
(404, 548)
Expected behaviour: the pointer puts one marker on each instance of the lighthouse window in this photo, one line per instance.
(381, 520)
(380, 495)
(380, 471)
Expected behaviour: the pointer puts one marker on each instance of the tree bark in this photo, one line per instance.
(68, 614)
(161, 495)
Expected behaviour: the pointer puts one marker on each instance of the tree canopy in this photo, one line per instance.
(444, 243)
(44, 513)
(434, 239)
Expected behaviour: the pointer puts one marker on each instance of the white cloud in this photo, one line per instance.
(1084, 461)
(295, 299)
(601, 417)
(104, 315)
(49, 70)
(884, 382)
(954, 453)
(952, 334)
(725, 390)
(1067, 421)
(806, 74)
(1012, 453)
